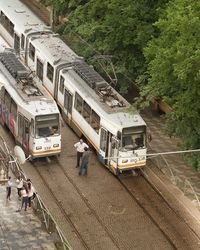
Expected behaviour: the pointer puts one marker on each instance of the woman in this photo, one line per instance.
(8, 188)
(24, 196)
(30, 191)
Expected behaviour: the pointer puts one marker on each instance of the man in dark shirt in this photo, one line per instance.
(84, 162)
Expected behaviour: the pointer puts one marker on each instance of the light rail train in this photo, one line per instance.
(27, 109)
(87, 102)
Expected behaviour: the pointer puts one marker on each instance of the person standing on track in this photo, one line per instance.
(84, 162)
(80, 149)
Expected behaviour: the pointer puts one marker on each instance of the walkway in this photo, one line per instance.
(172, 165)
(20, 230)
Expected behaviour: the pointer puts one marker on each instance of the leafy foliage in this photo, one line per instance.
(174, 68)
(120, 29)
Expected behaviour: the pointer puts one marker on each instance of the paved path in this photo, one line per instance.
(177, 170)
(20, 230)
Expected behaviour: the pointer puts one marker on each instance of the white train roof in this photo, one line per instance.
(21, 16)
(112, 107)
(54, 49)
(17, 81)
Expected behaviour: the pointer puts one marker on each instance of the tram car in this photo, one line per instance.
(28, 110)
(87, 102)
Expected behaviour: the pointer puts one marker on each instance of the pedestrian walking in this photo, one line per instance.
(30, 191)
(80, 149)
(8, 188)
(20, 183)
(84, 162)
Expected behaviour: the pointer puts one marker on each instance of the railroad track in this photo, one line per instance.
(60, 205)
(154, 204)
(143, 207)
(62, 208)
(144, 194)
(81, 211)
(137, 193)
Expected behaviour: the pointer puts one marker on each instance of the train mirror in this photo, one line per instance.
(19, 153)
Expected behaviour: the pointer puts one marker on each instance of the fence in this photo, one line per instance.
(182, 183)
(9, 162)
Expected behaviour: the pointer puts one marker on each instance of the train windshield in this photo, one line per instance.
(133, 138)
(47, 125)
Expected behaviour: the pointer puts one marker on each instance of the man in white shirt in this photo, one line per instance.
(80, 149)
(20, 184)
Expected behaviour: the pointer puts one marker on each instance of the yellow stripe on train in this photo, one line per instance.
(46, 152)
(139, 164)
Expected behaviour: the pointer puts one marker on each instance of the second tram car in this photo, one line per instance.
(88, 103)
(28, 110)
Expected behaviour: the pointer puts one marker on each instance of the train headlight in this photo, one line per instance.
(38, 147)
(124, 161)
(55, 145)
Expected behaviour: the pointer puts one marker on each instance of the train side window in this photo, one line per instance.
(39, 69)
(22, 41)
(32, 52)
(95, 121)
(87, 112)
(2, 94)
(26, 130)
(32, 127)
(61, 86)
(68, 101)
(13, 109)
(16, 43)
(103, 139)
(50, 72)
(20, 125)
(8, 25)
(7, 100)
(2, 17)
(78, 105)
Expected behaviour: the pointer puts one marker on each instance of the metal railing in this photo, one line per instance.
(181, 182)
(4, 160)
(38, 205)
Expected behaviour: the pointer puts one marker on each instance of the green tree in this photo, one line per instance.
(117, 28)
(60, 6)
(174, 69)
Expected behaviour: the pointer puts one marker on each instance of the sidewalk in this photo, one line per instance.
(20, 230)
(180, 173)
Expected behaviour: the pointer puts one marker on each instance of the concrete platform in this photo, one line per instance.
(20, 230)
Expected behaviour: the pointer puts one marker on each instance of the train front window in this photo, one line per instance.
(133, 138)
(47, 125)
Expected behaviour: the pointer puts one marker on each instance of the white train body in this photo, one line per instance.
(27, 109)
(89, 105)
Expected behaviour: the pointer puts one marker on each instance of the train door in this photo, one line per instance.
(20, 128)
(23, 132)
(16, 43)
(104, 146)
(26, 135)
(39, 70)
(114, 149)
(68, 99)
